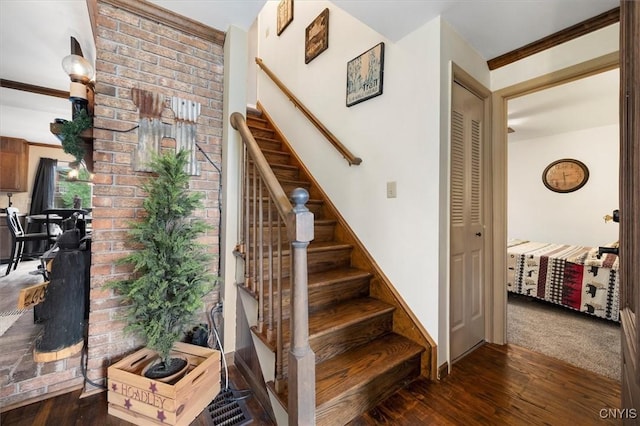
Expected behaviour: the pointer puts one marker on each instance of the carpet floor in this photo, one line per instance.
(586, 342)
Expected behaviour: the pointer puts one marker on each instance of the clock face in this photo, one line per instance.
(565, 175)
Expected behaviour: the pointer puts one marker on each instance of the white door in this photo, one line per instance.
(467, 254)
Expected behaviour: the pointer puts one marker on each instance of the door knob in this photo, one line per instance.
(478, 234)
(615, 217)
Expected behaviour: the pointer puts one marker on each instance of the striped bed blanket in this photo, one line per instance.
(571, 276)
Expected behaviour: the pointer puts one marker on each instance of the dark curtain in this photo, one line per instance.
(44, 187)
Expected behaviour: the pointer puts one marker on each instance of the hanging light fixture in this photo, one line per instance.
(81, 73)
(74, 172)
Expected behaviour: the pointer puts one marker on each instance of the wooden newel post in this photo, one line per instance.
(302, 360)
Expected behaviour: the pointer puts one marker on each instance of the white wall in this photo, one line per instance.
(538, 214)
(401, 136)
(236, 48)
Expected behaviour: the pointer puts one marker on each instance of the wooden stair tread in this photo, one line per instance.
(254, 112)
(281, 166)
(354, 368)
(337, 275)
(342, 315)
(266, 139)
(319, 222)
(330, 319)
(275, 152)
(351, 368)
(320, 279)
(320, 246)
(256, 123)
(327, 246)
(311, 201)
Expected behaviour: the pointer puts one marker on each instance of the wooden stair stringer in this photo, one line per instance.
(405, 322)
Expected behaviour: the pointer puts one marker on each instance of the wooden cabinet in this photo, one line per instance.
(14, 164)
(5, 236)
(5, 239)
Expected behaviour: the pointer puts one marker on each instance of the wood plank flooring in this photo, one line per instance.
(502, 385)
(495, 385)
(71, 410)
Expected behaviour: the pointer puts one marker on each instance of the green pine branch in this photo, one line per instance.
(170, 275)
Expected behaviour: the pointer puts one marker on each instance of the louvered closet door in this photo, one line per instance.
(467, 255)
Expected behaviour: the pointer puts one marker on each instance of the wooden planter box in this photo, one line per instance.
(144, 401)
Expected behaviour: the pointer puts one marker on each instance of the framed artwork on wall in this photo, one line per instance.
(365, 74)
(285, 14)
(316, 39)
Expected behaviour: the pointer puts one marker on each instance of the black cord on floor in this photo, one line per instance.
(83, 365)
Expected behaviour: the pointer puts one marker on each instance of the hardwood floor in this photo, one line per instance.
(71, 410)
(502, 385)
(495, 385)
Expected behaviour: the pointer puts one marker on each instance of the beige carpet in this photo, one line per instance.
(586, 342)
(10, 286)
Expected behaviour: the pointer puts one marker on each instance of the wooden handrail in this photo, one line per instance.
(351, 159)
(262, 253)
(271, 181)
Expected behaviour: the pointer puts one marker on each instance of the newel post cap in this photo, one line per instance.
(304, 218)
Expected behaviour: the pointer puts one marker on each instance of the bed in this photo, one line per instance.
(571, 276)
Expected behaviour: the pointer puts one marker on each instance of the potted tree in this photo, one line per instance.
(170, 275)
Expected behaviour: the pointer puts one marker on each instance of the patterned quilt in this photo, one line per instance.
(571, 276)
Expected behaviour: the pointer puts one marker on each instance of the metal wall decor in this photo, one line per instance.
(365, 75)
(151, 128)
(187, 113)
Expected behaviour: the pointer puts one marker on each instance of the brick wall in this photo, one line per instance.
(138, 46)
(134, 51)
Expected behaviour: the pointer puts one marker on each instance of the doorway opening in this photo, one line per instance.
(527, 153)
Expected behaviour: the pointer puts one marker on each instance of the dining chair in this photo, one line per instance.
(19, 238)
(66, 219)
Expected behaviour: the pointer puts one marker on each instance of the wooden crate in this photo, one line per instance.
(144, 401)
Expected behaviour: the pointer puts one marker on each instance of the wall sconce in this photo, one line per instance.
(81, 73)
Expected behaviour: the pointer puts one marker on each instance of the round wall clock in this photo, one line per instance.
(566, 175)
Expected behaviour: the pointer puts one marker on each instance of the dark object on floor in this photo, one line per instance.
(198, 335)
(63, 309)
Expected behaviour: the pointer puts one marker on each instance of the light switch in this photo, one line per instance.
(391, 190)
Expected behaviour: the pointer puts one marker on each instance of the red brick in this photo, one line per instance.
(177, 65)
(7, 390)
(42, 381)
(139, 33)
(77, 382)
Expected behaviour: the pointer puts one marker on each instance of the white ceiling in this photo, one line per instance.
(35, 34)
(581, 104)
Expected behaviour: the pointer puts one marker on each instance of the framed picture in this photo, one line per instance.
(365, 75)
(285, 14)
(316, 38)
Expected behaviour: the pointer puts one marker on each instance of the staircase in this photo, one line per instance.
(355, 332)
